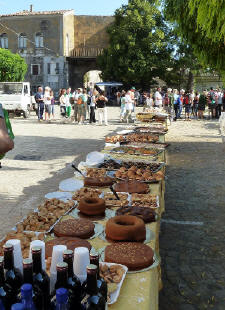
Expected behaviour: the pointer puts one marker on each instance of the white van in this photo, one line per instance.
(15, 97)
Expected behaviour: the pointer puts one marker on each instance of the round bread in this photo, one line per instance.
(92, 206)
(70, 242)
(134, 255)
(132, 187)
(99, 182)
(80, 228)
(146, 214)
(125, 228)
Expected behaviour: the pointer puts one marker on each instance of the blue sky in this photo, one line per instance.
(85, 7)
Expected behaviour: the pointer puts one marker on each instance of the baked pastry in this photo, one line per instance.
(146, 214)
(132, 187)
(135, 256)
(99, 182)
(111, 201)
(92, 206)
(144, 200)
(81, 228)
(71, 244)
(125, 228)
(86, 192)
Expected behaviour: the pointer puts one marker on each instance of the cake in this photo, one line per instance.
(70, 242)
(131, 187)
(125, 228)
(81, 228)
(135, 256)
(92, 206)
(146, 214)
(99, 182)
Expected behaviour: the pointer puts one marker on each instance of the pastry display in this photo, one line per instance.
(80, 228)
(135, 151)
(25, 239)
(125, 228)
(139, 174)
(151, 129)
(134, 255)
(146, 214)
(144, 200)
(149, 145)
(99, 182)
(70, 242)
(111, 201)
(131, 187)
(92, 206)
(86, 192)
(96, 172)
(135, 137)
(115, 165)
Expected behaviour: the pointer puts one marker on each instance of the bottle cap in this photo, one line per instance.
(36, 249)
(62, 295)
(91, 267)
(27, 261)
(8, 247)
(26, 290)
(68, 253)
(61, 266)
(18, 307)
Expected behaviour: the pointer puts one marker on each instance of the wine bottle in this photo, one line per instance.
(6, 294)
(27, 297)
(93, 297)
(62, 276)
(28, 278)
(40, 278)
(62, 299)
(101, 283)
(13, 276)
(18, 307)
(73, 283)
(1, 305)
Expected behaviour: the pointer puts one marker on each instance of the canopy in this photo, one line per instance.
(109, 84)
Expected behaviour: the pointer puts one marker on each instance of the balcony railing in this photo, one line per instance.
(86, 52)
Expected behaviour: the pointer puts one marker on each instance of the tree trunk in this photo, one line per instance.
(190, 82)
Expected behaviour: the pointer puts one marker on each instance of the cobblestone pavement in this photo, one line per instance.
(41, 159)
(193, 230)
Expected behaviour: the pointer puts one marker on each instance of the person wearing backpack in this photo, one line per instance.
(212, 102)
(187, 106)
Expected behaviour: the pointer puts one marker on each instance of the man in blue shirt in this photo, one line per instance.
(39, 98)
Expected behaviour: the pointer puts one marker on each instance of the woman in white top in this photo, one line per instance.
(63, 101)
(129, 107)
(158, 98)
(47, 102)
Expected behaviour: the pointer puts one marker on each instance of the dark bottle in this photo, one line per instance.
(1, 305)
(40, 278)
(62, 276)
(96, 303)
(76, 292)
(13, 276)
(91, 289)
(101, 284)
(28, 278)
(27, 297)
(6, 293)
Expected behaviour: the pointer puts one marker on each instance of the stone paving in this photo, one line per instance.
(192, 249)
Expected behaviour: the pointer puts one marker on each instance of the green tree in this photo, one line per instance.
(139, 48)
(202, 24)
(12, 66)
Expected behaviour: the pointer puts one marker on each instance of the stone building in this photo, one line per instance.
(58, 46)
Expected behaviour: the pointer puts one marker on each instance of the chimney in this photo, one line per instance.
(31, 8)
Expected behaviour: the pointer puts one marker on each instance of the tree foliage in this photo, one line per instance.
(202, 24)
(139, 47)
(12, 66)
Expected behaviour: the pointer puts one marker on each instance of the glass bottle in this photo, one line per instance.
(91, 290)
(27, 297)
(62, 276)
(101, 284)
(73, 284)
(62, 299)
(18, 307)
(13, 276)
(40, 278)
(6, 294)
(1, 305)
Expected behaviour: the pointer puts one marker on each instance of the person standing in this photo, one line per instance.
(52, 107)
(212, 102)
(122, 105)
(176, 103)
(85, 101)
(92, 107)
(158, 98)
(80, 109)
(202, 104)
(102, 109)
(68, 96)
(118, 97)
(195, 105)
(128, 107)
(77, 94)
(187, 106)
(39, 98)
(220, 101)
(47, 102)
(62, 101)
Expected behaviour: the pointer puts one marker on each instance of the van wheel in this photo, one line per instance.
(26, 114)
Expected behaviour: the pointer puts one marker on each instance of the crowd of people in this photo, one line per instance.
(192, 103)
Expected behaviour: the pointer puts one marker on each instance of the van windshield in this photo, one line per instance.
(8, 88)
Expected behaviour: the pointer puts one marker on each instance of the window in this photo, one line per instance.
(35, 69)
(22, 40)
(57, 68)
(39, 40)
(25, 89)
(4, 40)
(49, 68)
